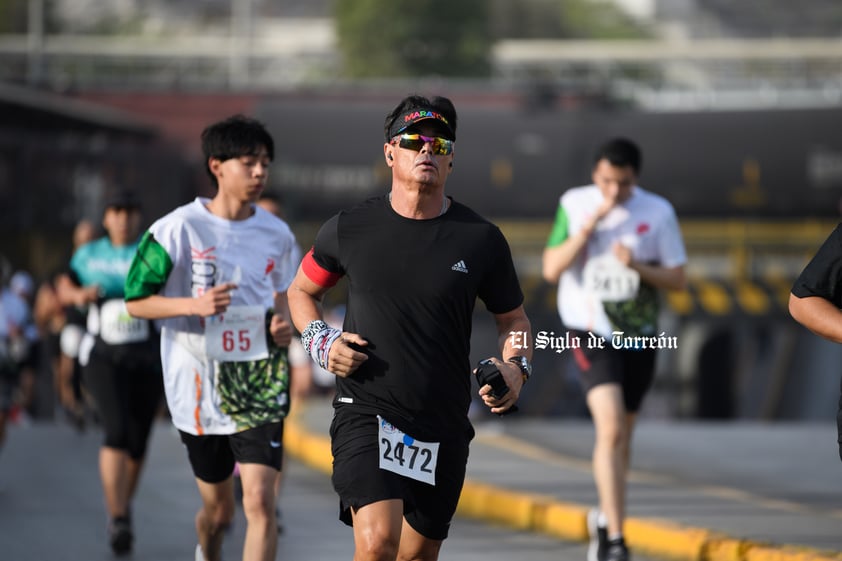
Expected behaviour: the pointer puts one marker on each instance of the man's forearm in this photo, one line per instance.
(514, 335)
(160, 307)
(668, 278)
(555, 260)
(303, 307)
(818, 315)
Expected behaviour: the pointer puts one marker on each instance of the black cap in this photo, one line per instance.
(416, 115)
(123, 198)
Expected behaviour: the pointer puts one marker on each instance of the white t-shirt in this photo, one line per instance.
(187, 252)
(645, 223)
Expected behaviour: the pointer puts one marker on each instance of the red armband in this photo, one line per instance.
(317, 273)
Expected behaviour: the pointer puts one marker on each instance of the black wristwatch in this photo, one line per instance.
(523, 363)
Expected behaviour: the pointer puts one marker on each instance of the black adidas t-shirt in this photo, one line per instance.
(823, 274)
(412, 287)
(822, 277)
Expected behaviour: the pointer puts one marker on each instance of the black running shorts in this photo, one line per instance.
(633, 370)
(359, 481)
(126, 386)
(212, 456)
(9, 381)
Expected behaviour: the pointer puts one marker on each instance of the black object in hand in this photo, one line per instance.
(488, 373)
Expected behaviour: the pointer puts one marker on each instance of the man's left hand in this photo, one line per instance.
(281, 330)
(514, 380)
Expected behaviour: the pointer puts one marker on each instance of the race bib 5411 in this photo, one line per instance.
(610, 280)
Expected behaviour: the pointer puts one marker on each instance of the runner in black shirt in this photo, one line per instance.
(816, 298)
(415, 261)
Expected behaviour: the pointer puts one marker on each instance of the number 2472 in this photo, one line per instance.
(397, 453)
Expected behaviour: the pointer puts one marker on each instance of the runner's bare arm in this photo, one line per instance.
(281, 325)
(305, 304)
(215, 300)
(818, 315)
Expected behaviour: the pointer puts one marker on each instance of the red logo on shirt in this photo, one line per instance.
(270, 266)
(642, 228)
(203, 253)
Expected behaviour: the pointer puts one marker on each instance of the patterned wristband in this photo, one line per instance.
(331, 338)
(320, 346)
(312, 329)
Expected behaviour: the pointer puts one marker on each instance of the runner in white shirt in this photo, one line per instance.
(612, 247)
(215, 273)
(597, 291)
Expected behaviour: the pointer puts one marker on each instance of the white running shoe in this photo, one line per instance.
(598, 532)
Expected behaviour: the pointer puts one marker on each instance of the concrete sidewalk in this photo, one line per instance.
(698, 492)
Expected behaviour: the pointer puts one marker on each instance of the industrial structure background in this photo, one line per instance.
(736, 107)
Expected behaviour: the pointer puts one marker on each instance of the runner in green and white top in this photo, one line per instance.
(613, 246)
(192, 250)
(597, 292)
(214, 273)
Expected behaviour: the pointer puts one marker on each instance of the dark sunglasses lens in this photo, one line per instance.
(441, 146)
(412, 142)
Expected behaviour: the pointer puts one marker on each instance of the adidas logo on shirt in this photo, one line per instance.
(460, 266)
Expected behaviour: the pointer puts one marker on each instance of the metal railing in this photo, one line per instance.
(283, 53)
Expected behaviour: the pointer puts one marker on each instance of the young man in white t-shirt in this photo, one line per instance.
(214, 273)
(613, 245)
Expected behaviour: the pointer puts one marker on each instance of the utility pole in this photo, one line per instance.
(240, 43)
(35, 43)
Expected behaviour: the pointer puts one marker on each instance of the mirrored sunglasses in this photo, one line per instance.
(441, 146)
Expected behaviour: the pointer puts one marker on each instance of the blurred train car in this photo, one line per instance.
(512, 163)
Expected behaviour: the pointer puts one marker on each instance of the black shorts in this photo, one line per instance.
(633, 370)
(9, 380)
(126, 384)
(359, 481)
(212, 456)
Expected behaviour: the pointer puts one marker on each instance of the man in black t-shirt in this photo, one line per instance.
(415, 260)
(816, 298)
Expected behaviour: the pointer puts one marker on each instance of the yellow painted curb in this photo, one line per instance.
(564, 520)
(311, 449)
(665, 539)
(502, 506)
(766, 552)
(724, 549)
(538, 513)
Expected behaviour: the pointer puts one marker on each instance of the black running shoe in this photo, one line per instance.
(617, 551)
(598, 533)
(120, 535)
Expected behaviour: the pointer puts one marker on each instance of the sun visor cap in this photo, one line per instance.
(413, 116)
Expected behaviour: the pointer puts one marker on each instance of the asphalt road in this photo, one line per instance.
(51, 509)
